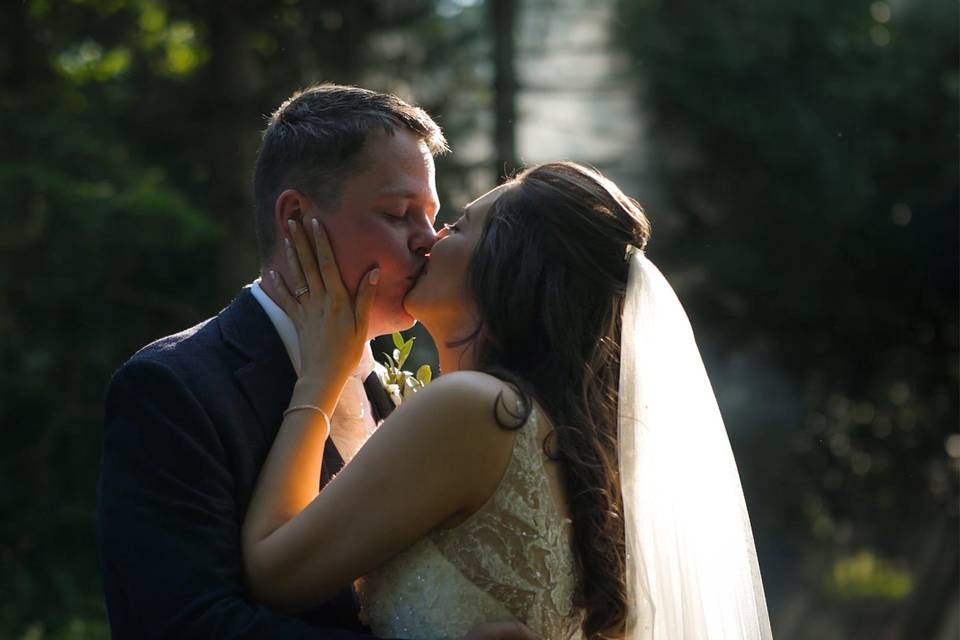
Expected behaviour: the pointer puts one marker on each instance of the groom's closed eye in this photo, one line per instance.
(394, 216)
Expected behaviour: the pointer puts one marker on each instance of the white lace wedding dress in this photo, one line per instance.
(510, 560)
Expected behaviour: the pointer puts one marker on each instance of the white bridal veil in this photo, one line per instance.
(692, 571)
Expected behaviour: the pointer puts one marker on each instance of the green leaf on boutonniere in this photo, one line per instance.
(405, 350)
(424, 374)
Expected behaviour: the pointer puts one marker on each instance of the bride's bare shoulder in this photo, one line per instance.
(469, 390)
(464, 424)
(462, 406)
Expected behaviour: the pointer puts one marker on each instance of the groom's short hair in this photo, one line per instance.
(313, 142)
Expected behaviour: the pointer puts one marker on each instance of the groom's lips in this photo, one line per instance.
(422, 270)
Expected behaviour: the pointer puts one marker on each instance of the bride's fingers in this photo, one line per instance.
(307, 261)
(365, 297)
(294, 278)
(328, 264)
(283, 296)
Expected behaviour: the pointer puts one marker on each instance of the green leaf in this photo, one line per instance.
(405, 350)
(424, 374)
(397, 340)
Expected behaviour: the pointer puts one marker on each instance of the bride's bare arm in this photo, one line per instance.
(439, 455)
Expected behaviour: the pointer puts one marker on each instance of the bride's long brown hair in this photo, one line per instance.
(549, 279)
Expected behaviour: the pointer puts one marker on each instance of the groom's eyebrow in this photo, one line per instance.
(391, 192)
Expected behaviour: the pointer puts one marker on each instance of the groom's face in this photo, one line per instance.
(385, 219)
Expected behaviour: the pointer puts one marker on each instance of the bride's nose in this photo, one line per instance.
(443, 233)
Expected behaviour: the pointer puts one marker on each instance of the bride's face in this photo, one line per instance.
(439, 298)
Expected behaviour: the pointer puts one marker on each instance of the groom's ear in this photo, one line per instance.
(290, 205)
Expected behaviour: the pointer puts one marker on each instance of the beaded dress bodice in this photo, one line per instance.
(510, 560)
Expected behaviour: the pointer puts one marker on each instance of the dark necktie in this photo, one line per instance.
(380, 402)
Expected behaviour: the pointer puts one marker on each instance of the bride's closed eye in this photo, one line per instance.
(452, 228)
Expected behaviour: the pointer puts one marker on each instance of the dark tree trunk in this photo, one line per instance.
(503, 18)
(232, 124)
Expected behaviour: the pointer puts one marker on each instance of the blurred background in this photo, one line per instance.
(799, 162)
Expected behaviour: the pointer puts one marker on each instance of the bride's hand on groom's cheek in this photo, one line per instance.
(331, 326)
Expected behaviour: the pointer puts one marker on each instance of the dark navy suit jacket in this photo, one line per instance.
(189, 421)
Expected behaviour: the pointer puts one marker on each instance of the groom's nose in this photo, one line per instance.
(422, 237)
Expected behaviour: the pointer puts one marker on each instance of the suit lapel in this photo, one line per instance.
(266, 376)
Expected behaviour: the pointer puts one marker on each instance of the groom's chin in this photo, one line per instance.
(386, 323)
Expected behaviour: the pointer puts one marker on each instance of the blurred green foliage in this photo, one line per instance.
(810, 152)
(863, 575)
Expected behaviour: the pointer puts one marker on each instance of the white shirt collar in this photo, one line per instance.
(288, 333)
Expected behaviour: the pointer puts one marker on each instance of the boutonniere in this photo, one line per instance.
(401, 384)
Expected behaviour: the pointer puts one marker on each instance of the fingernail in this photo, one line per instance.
(316, 225)
(286, 241)
(375, 276)
(273, 275)
(291, 224)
